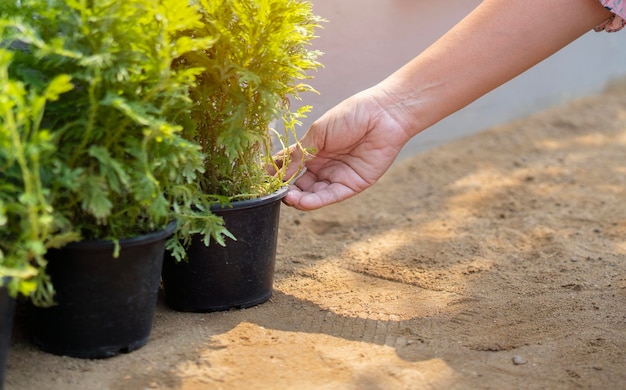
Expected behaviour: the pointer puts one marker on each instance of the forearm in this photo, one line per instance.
(499, 40)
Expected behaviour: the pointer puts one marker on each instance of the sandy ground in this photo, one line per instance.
(495, 261)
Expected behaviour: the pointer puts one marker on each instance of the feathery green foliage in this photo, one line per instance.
(257, 63)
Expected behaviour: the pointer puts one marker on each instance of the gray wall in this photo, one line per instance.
(366, 40)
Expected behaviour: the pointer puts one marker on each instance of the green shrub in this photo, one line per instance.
(28, 223)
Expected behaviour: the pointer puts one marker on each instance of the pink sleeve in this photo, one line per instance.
(617, 21)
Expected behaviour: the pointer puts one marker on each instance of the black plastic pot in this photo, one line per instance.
(239, 275)
(7, 313)
(105, 305)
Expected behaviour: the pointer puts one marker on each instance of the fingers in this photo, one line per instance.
(305, 201)
(319, 195)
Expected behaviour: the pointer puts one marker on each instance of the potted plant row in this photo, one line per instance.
(103, 168)
(141, 122)
(250, 74)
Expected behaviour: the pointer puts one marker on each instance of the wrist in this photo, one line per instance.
(410, 108)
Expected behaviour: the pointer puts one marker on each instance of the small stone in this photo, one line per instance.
(519, 361)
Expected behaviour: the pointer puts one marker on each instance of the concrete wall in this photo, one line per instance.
(365, 40)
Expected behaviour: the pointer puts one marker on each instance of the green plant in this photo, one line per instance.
(116, 164)
(251, 71)
(28, 224)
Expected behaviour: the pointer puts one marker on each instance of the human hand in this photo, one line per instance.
(356, 141)
(352, 144)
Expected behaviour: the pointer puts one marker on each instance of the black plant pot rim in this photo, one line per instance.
(126, 242)
(256, 202)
